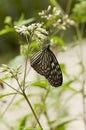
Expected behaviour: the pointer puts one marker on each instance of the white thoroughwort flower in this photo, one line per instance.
(22, 30)
(71, 22)
(35, 31)
(57, 17)
(56, 12)
(49, 8)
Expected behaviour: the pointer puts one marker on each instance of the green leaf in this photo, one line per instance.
(63, 68)
(8, 94)
(56, 40)
(40, 83)
(5, 78)
(8, 20)
(6, 30)
(23, 122)
(66, 121)
(23, 21)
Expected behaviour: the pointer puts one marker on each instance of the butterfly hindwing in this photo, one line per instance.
(55, 77)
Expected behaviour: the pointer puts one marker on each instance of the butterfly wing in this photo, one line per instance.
(55, 76)
(36, 62)
(46, 64)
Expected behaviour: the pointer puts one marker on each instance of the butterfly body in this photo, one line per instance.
(46, 64)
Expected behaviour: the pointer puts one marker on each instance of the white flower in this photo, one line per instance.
(22, 30)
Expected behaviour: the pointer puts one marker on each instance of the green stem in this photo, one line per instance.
(79, 34)
(56, 4)
(24, 94)
(25, 64)
(41, 109)
(23, 91)
(2, 114)
(83, 94)
(84, 105)
(16, 78)
(68, 8)
(10, 86)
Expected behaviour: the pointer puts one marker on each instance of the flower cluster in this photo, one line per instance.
(57, 18)
(35, 31)
(10, 72)
(22, 30)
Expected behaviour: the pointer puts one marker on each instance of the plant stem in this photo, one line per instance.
(23, 90)
(2, 114)
(16, 78)
(25, 96)
(41, 109)
(10, 86)
(84, 107)
(26, 60)
(83, 94)
(69, 4)
(79, 35)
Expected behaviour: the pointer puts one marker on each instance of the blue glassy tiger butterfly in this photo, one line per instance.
(46, 64)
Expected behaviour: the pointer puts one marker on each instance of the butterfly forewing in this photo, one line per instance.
(36, 62)
(46, 64)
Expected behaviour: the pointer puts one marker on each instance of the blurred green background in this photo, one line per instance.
(9, 47)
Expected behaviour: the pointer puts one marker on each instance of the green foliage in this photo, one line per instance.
(23, 122)
(80, 11)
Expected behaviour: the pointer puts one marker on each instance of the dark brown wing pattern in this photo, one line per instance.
(46, 64)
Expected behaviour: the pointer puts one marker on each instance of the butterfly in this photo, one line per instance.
(46, 64)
